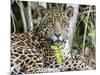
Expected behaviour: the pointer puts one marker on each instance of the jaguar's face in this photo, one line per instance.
(57, 25)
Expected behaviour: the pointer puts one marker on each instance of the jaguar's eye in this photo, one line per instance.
(66, 29)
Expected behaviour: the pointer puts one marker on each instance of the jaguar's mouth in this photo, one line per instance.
(56, 42)
(59, 41)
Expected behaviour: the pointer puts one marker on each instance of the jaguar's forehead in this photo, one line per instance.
(56, 13)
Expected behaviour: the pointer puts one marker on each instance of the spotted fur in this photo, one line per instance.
(31, 52)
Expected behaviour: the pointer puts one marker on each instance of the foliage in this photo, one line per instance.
(35, 21)
(82, 21)
(80, 30)
(57, 52)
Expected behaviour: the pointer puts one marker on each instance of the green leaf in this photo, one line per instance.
(91, 23)
(92, 34)
(54, 47)
(59, 55)
(85, 20)
(58, 52)
(60, 59)
(61, 46)
(35, 21)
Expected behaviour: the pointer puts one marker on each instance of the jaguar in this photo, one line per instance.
(31, 51)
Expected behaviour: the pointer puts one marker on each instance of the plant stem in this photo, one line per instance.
(83, 50)
(23, 16)
(30, 17)
(12, 16)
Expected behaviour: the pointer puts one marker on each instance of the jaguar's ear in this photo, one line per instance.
(41, 11)
(70, 11)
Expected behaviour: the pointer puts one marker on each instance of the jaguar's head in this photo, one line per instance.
(56, 24)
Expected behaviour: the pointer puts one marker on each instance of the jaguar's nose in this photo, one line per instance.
(57, 35)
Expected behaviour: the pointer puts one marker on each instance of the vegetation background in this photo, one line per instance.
(24, 18)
